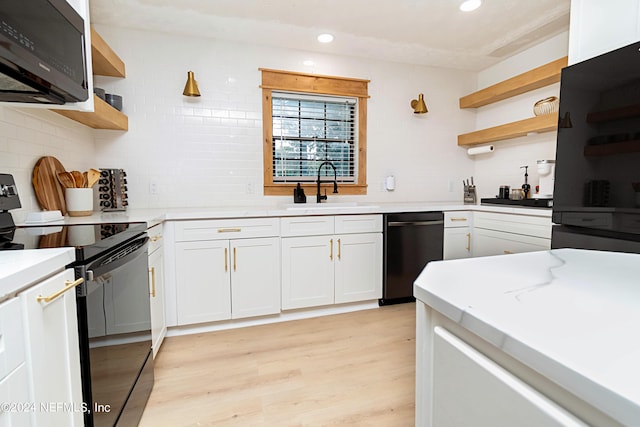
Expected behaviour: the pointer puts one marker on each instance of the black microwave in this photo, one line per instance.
(42, 52)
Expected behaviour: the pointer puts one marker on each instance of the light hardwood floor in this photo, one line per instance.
(353, 369)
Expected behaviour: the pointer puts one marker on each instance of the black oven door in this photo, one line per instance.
(115, 335)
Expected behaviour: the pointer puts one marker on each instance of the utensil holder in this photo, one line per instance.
(113, 190)
(79, 201)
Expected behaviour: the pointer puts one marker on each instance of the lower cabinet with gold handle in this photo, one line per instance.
(225, 279)
(52, 343)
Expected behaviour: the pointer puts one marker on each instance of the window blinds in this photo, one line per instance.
(310, 129)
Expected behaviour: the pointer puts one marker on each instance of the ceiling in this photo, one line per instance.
(422, 32)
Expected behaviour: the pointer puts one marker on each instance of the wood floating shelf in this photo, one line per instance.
(538, 124)
(627, 112)
(104, 116)
(104, 60)
(533, 79)
(624, 147)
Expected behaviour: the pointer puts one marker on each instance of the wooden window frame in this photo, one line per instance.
(278, 80)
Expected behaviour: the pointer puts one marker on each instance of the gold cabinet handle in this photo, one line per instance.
(153, 282)
(331, 249)
(508, 252)
(234, 259)
(155, 238)
(458, 219)
(226, 264)
(339, 249)
(229, 230)
(468, 241)
(67, 286)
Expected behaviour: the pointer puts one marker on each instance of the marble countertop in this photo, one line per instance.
(572, 315)
(158, 215)
(20, 269)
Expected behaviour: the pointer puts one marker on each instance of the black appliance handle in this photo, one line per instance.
(118, 257)
(412, 223)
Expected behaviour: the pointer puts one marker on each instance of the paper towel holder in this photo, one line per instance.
(480, 150)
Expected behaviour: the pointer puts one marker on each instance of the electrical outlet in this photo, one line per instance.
(153, 187)
(250, 189)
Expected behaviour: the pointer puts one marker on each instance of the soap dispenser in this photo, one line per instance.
(298, 195)
(526, 188)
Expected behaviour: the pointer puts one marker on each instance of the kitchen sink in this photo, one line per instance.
(350, 206)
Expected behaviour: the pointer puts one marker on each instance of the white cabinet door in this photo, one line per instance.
(53, 358)
(156, 294)
(358, 267)
(255, 277)
(203, 292)
(307, 271)
(598, 27)
(457, 243)
(470, 389)
(492, 242)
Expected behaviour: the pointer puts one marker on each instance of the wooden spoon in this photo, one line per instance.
(78, 178)
(92, 177)
(66, 179)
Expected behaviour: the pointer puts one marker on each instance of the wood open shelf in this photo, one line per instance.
(533, 79)
(104, 60)
(624, 147)
(105, 63)
(538, 124)
(104, 116)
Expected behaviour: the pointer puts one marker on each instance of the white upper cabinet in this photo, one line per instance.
(600, 26)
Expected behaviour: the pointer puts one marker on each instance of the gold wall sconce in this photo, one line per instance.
(418, 105)
(191, 88)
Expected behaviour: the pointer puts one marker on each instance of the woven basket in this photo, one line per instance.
(546, 106)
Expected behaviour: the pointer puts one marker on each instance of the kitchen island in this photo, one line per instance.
(541, 338)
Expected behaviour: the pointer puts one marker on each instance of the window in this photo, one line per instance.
(309, 119)
(310, 129)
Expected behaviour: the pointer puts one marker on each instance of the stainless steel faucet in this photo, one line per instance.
(320, 198)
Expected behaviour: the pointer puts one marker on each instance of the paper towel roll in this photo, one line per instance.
(480, 150)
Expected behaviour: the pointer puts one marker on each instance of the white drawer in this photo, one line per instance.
(306, 225)
(511, 223)
(155, 238)
(457, 219)
(346, 224)
(189, 231)
(12, 335)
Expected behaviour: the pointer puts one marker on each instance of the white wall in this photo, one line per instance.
(207, 151)
(502, 167)
(28, 134)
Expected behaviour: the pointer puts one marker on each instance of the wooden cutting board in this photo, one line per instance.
(49, 192)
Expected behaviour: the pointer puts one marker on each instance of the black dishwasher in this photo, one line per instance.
(411, 240)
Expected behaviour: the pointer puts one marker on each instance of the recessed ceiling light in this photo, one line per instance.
(308, 62)
(325, 38)
(469, 5)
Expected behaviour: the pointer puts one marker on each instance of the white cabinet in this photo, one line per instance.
(227, 269)
(457, 235)
(469, 389)
(331, 260)
(156, 287)
(52, 350)
(14, 380)
(597, 27)
(501, 233)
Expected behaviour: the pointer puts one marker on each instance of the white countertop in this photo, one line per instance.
(21, 268)
(155, 216)
(572, 315)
